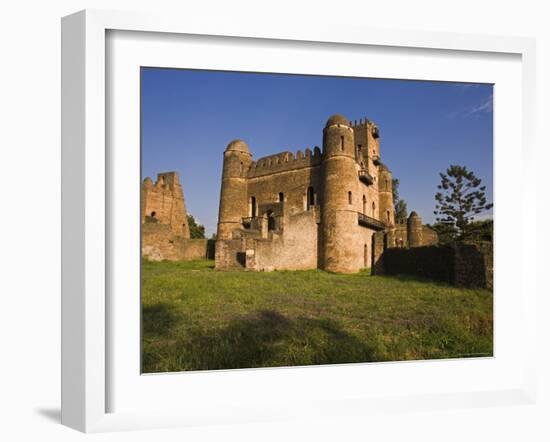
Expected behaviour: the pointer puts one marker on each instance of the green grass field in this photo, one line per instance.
(195, 318)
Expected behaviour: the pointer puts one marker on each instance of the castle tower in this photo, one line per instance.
(164, 202)
(414, 230)
(339, 217)
(386, 212)
(233, 203)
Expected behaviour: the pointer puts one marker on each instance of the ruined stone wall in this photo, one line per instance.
(163, 202)
(159, 243)
(295, 250)
(230, 254)
(429, 236)
(400, 236)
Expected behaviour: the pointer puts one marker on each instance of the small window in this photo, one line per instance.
(253, 207)
(153, 214)
(373, 210)
(364, 204)
(342, 143)
(388, 216)
(359, 149)
(310, 197)
(349, 198)
(281, 197)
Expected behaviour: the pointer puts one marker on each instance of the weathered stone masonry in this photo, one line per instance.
(164, 227)
(329, 209)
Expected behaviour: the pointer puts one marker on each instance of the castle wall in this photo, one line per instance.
(292, 183)
(295, 250)
(158, 243)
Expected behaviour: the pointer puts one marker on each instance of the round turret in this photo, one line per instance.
(237, 146)
(340, 252)
(233, 203)
(337, 119)
(414, 230)
(385, 194)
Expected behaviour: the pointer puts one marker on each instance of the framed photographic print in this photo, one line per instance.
(277, 223)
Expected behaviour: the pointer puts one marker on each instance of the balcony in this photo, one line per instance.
(252, 222)
(365, 177)
(371, 223)
(376, 159)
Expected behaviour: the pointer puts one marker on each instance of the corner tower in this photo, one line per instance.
(385, 196)
(414, 230)
(339, 171)
(233, 203)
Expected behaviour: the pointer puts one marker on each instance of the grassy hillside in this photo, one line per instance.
(195, 318)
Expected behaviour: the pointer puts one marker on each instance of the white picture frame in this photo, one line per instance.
(86, 316)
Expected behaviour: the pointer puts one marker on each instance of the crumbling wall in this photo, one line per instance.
(464, 265)
(159, 243)
(295, 250)
(163, 202)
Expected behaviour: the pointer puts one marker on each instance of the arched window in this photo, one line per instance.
(153, 214)
(253, 206)
(373, 210)
(241, 168)
(281, 197)
(364, 204)
(349, 198)
(342, 143)
(387, 184)
(310, 197)
(388, 216)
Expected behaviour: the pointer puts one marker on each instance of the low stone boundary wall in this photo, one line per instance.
(159, 243)
(464, 265)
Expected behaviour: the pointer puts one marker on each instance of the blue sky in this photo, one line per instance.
(189, 116)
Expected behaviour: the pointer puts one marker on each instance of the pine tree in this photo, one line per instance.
(460, 198)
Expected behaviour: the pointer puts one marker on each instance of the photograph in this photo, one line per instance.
(300, 220)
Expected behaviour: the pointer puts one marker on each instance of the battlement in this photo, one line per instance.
(285, 161)
(361, 123)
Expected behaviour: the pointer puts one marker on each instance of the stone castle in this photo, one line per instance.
(330, 209)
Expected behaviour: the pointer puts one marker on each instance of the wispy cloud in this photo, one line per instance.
(484, 106)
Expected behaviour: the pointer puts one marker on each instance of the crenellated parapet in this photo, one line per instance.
(285, 161)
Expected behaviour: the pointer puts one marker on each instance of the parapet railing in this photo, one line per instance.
(365, 176)
(368, 221)
(249, 221)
